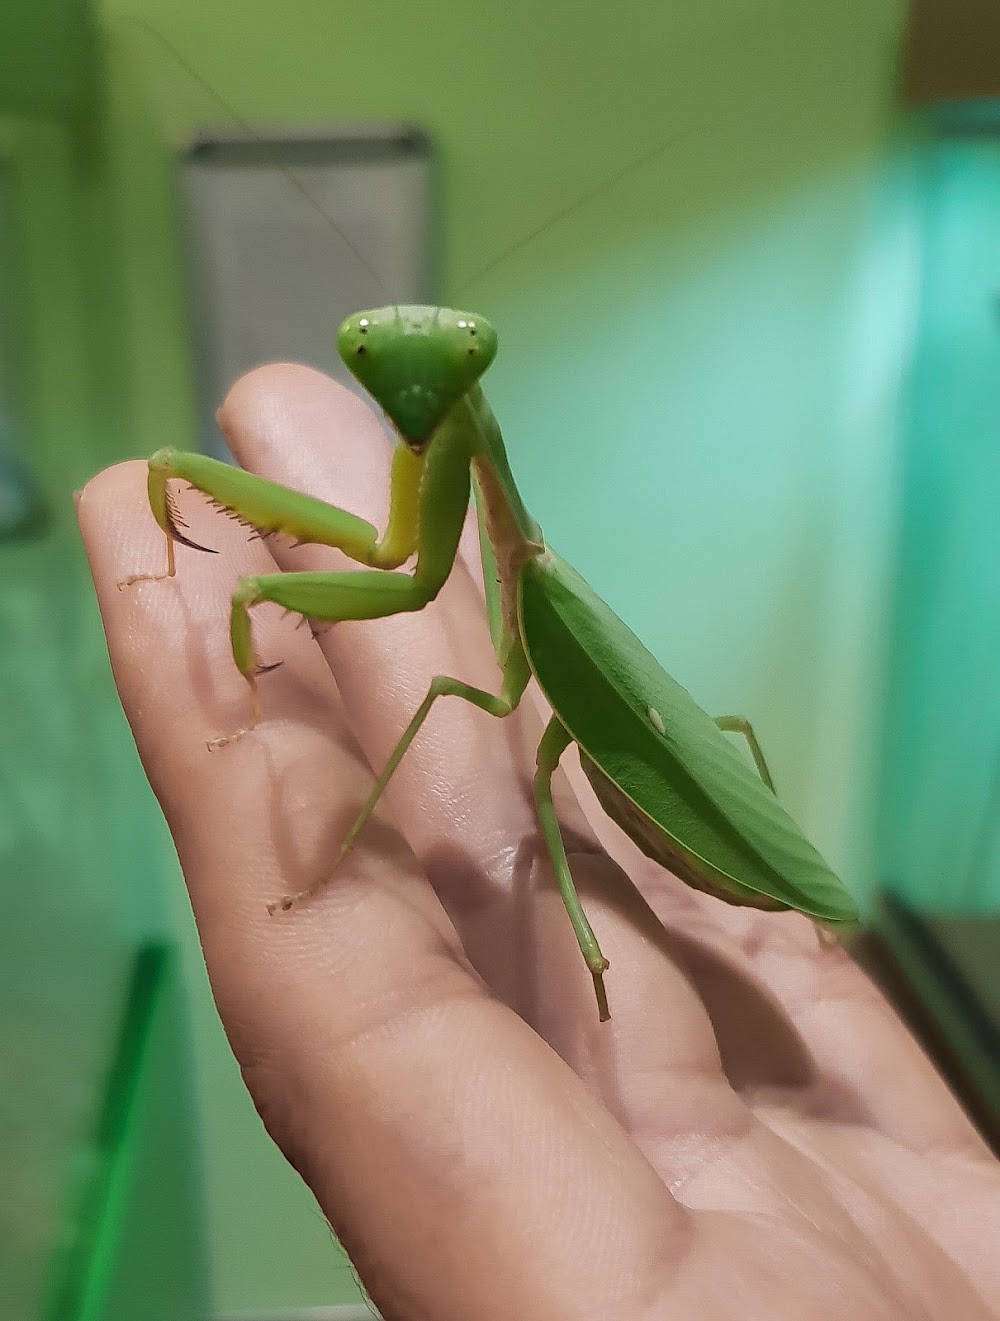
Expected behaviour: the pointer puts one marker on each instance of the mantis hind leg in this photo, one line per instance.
(740, 725)
(515, 680)
(555, 741)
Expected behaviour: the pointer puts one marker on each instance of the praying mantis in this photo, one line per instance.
(661, 768)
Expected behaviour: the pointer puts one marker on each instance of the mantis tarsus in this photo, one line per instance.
(661, 768)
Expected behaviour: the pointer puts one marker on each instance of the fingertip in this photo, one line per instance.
(110, 511)
(109, 486)
(289, 420)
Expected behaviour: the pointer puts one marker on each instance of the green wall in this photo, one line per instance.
(64, 950)
(46, 58)
(698, 376)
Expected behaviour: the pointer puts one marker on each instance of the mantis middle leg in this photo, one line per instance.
(515, 680)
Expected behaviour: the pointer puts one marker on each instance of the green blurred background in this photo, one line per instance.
(750, 389)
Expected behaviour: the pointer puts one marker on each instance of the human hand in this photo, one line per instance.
(754, 1133)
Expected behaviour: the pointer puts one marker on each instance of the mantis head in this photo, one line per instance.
(416, 362)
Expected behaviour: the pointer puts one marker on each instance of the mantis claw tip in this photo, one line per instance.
(604, 1013)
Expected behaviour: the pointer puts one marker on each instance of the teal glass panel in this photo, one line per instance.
(941, 801)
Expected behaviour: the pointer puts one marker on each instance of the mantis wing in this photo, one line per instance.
(664, 771)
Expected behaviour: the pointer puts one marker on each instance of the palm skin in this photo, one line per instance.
(753, 1135)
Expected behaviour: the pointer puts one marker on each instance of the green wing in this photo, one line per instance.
(689, 781)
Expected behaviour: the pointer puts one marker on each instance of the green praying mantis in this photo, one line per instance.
(662, 769)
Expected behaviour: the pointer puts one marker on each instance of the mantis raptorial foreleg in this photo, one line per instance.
(268, 507)
(555, 741)
(427, 507)
(740, 725)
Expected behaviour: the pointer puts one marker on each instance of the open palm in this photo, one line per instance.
(753, 1135)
